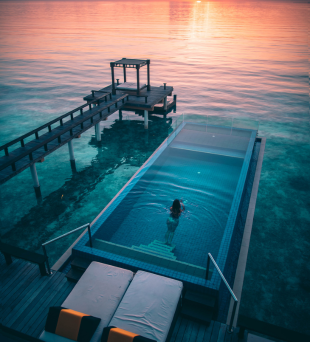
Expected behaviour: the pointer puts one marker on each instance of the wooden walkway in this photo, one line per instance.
(25, 295)
(54, 134)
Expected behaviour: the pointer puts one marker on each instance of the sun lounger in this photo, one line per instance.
(149, 306)
(98, 293)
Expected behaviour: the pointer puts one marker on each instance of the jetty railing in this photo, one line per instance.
(62, 236)
(44, 143)
(50, 123)
(230, 328)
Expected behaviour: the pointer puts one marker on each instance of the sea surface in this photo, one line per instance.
(232, 59)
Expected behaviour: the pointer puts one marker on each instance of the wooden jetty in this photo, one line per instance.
(34, 146)
(26, 295)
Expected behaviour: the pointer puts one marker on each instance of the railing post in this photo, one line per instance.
(89, 234)
(230, 328)
(47, 263)
(208, 266)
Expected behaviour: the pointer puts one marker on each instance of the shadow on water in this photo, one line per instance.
(124, 144)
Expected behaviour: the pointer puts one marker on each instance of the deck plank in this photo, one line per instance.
(14, 285)
(7, 271)
(25, 290)
(221, 334)
(195, 331)
(36, 303)
(188, 332)
(44, 302)
(208, 332)
(201, 332)
(67, 288)
(179, 336)
(176, 329)
(228, 336)
(25, 302)
(215, 331)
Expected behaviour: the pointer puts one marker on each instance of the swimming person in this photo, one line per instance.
(173, 219)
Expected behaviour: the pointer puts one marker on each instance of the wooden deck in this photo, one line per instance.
(25, 295)
(134, 102)
(186, 330)
(55, 134)
(25, 298)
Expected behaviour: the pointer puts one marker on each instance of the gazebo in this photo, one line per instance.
(130, 86)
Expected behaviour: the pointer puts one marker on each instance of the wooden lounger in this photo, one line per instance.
(149, 306)
(98, 293)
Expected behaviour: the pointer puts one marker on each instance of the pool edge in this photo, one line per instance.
(245, 244)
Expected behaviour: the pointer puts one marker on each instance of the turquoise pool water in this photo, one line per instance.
(205, 182)
(234, 59)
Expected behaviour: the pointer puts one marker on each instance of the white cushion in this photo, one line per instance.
(148, 306)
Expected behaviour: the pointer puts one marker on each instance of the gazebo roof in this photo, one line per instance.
(130, 63)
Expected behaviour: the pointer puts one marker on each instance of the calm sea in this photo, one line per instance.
(234, 59)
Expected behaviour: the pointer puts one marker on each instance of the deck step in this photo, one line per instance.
(198, 300)
(161, 243)
(153, 251)
(74, 275)
(80, 264)
(199, 315)
(158, 248)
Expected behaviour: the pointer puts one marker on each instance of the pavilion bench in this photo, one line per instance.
(11, 251)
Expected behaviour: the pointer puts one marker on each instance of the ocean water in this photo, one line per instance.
(232, 59)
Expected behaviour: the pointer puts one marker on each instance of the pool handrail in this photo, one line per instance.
(62, 236)
(210, 257)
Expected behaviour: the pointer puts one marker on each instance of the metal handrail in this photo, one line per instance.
(62, 236)
(210, 257)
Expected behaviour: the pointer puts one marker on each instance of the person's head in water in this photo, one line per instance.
(176, 206)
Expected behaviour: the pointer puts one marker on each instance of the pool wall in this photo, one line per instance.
(190, 281)
(233, 253)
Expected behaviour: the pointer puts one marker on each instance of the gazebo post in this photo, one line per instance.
(113, 81)
(124, 69)
(148, 75)
(138, 80)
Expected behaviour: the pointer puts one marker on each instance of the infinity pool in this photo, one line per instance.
(206, 168)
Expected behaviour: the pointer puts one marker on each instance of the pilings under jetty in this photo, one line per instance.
(165, 103)
(35, 180)
(146, 119)
(71, 154)
(98, 133)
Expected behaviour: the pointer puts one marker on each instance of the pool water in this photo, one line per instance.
(203, 165)
(206, 183)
